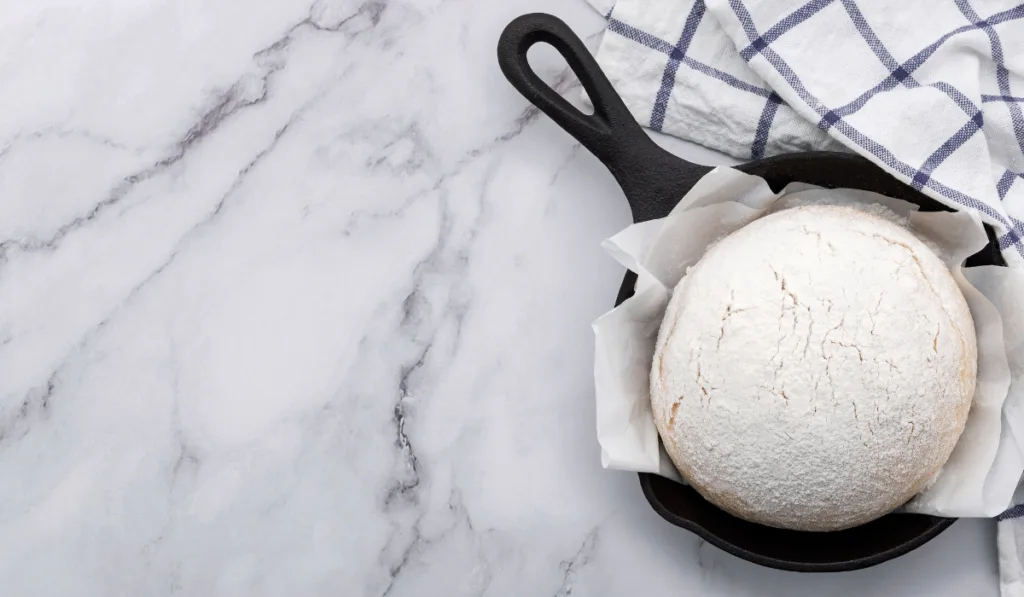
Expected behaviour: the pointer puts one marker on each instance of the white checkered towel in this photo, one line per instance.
(931, 90)
(924, 88)
(1011, 548)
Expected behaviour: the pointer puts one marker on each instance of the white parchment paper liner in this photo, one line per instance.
(980, 477)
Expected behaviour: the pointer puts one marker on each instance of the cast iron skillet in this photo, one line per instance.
(653, 181)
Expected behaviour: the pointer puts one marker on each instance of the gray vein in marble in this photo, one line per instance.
(418, 327)
(572, 566)
(420, 544)
(40, 397)
(37, 399)
(64, 133)
(419, 154)
(706, 557)
(403, 487)
(414, 308)
(229, 103)
(483, 573)
(35, 403)
(563, 83)
(371, 11)
(243, 173)
(237, 97)
(395, 570)
(573, 152)
(188, 457)
(249, 90)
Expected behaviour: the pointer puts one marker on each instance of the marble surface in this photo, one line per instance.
(295, 298)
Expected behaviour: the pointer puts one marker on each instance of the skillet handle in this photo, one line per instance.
(653, 179)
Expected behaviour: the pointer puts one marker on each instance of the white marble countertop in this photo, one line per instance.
(295, 299)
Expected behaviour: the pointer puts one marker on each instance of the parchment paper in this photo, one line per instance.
(980, 477)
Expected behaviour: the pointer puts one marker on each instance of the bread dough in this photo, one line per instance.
(814, 370)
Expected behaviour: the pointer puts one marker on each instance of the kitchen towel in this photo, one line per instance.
(1010, 538)
(930, 90)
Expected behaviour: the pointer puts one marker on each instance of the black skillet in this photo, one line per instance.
(653, 181)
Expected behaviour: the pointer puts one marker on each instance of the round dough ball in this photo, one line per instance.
(814, 370)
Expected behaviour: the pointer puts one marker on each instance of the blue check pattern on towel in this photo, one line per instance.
(931, 90)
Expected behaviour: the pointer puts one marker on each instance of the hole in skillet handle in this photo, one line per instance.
(653, 181)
